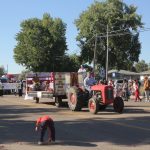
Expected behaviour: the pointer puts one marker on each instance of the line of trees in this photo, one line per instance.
(41, 43)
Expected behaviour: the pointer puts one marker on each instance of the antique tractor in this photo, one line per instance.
(98, 99)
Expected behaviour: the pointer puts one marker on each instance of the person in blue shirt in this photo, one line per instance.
(89, 81)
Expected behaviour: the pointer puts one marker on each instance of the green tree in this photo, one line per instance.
(71, 63)
(148, 66)
(2, 71)
(40, 43)
(141, 66)
(123, 23)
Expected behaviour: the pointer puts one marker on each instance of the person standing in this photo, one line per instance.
(146, 88)
(111, 83)
(137, 93)
(117, 90)
(44, 123)
(1, 88)
(125, 89)
(20, 88)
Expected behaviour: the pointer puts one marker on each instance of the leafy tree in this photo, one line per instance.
(123, 39)
(141, 66)
(148, 66)
(40, 43)
(71, 63)
(2, 71)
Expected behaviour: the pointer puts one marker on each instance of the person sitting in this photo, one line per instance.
(36, 83)
(82, 71)
(35, 79)
(47, 87)
(89, 81)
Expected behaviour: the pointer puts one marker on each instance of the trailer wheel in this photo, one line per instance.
(36, 100)
(75, 98)
(58, 101)
(93, 106)
(118, 104)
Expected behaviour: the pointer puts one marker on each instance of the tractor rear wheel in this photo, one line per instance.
(118, 104)
(75, 99)
(93, 106)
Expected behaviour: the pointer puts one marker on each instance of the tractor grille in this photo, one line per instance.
(109, 94)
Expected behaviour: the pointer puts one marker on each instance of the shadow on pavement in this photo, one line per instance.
(79, 132)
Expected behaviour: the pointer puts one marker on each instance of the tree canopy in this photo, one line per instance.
(41, 44)
(141, 66)
(123, 23)
(2, 70)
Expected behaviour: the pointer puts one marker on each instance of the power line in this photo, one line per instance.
(118, 33)
(123, 33)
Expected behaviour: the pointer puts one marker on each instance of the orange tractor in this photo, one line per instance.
(98, 99)
(70, 86)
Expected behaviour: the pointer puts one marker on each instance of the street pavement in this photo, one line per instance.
(74, 130)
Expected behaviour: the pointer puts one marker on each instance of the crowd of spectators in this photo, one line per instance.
(139, 89)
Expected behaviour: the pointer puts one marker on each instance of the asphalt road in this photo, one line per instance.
(74, 130)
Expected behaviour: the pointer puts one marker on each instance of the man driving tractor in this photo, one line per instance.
(89, 81)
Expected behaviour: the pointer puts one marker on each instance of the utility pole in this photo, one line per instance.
(94, 61)
(107, 57)
(7, 68)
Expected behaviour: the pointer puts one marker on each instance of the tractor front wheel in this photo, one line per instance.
(36, 100)
(93, 106)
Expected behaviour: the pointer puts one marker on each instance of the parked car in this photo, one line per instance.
(5, 80)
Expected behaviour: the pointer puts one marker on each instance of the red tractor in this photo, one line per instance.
(98, 99)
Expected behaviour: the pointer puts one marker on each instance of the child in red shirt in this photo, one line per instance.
(137, 93)
(45, 123)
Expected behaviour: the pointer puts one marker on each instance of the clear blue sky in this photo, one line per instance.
(13, 12)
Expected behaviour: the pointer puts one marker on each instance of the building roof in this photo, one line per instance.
(145, 72)
(125, 72)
